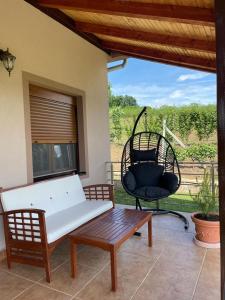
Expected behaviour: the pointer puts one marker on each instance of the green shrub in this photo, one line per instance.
(207, 197)
(182, 121)
(116, 131)
(197, 152)
(202, 152)
(181, 154)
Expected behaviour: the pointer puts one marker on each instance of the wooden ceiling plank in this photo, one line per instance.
(164, 12)
(162, 56)
(163, 39)
(66, 21)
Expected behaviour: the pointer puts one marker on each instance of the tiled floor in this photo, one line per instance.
(173, 269)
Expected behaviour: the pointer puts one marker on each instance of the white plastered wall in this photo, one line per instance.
(48, 50)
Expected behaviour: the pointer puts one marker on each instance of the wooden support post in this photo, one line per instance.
(220, 60)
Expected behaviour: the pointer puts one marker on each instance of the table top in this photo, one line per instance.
(111, 228)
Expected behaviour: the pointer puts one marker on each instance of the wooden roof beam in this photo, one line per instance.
(160, 12)
(162, 56)
(163, 39)
(168, 62)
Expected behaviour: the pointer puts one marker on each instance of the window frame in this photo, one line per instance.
(31, 79)
(52, 167)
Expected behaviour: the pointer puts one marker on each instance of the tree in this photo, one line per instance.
(116, 130)
(120, 100)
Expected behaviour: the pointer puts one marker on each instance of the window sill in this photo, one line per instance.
(56, 175)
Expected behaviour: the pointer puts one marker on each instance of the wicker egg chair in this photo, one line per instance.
(150, 170)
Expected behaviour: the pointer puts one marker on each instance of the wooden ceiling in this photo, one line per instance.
(176, 32)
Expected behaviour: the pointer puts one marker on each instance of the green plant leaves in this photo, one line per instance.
(182, 121)
(207, 197)
(197, 152)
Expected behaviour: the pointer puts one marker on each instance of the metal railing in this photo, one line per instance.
(191, 178)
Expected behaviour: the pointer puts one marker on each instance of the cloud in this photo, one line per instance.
(159, 95)
(141, 91)
(176, 94)
(192, 76)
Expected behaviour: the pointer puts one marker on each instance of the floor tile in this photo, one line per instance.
(170, 270)
(172, 237)
(11, 285)
(160, 292)
(60, 255)
(131, 271)
(62, 281)
(166, 282)
(139, 246)
(93, 257)
(175, 274)
(38, 292)
(26, 271)
(208, 287)
(188, 256)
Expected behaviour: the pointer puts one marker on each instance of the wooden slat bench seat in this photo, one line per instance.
(37, 217)
(108, 232)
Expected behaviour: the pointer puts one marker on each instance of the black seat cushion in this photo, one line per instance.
(129, 181)
(147, 174)
(144, 155)
(151, 192)
(169, 181)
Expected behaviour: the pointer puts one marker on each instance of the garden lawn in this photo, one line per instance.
(177, 202)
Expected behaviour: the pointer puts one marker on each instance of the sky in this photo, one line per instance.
(155, 85)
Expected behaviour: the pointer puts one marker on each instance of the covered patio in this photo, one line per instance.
(173, 269)
(64, 46)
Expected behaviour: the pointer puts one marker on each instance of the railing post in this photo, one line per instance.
(212, 179)
(112, 174)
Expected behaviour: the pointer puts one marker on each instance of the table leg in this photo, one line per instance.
(73, 254)
(150, 232)
(113, 268)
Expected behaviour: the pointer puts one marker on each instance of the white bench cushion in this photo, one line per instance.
(53, 196)
(67, 220)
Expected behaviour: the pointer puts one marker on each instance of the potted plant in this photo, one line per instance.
(206, 221)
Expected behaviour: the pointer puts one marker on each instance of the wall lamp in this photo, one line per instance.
(7, 59)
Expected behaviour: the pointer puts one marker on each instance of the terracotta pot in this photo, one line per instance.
(206, 231)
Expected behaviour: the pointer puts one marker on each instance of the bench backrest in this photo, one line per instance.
(51, 195)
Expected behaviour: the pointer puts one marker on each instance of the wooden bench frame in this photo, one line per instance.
(30, 245)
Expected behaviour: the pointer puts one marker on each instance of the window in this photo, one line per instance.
(54, 133)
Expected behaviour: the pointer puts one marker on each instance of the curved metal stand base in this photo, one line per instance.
(158, 211)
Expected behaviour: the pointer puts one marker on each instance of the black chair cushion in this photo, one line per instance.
(144, 155)
(151, 192)
(147, 174)
(169, 181)
(129, 181)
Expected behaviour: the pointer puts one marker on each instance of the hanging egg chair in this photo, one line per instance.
(149, 169)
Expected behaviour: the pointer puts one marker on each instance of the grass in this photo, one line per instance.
(182, 203)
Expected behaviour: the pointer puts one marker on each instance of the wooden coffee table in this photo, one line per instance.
(108, 232)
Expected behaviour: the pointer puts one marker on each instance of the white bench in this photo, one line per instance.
(39, 216)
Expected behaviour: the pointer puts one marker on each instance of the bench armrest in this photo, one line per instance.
(99, 191)
(25, 225)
